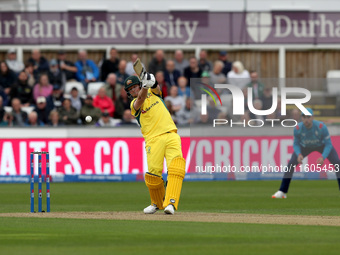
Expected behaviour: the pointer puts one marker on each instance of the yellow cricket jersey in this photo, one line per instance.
(153, 117)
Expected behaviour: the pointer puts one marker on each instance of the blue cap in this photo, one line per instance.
(309, 110)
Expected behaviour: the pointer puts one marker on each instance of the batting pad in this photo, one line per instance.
(176, 172)
(156, 189)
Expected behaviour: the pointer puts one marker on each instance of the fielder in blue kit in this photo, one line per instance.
(309, 135)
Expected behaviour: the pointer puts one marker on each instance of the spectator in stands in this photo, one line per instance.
(40, 64)
(7, 77)
(110, 65)
(43, 109)
(295, 114)
(2, 109)
(203, 119)
(267, 99)
(184, 115)
(87, 70)
(223, 56)
(55, 75)
(193, 70)
(171, 75)
(129, 66)
(168, 105)
(54, 119)
(106, 120)
(67, 68)
(203, 62)
(121, 74)
(212, 110)
(29, 70)
(176, 100)
(89, 110)
(7, 120)
(183, 89)
(22, 90)
(15, 65)
(33, 120)
(162, 84)
(111, 86)
(43, 88)
(238, 75)
(180, 62)
(57, 97)
(256, 85)
(19, 116)
(103, 102)
(216, 75)
(121, 104)
(76, 101)
(128, 119)
(67, 114)
(157, 63)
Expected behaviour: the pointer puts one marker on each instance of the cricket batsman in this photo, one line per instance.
(161, 140)
(309, 135)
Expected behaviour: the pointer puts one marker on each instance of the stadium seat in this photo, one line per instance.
(71, 84)
(93, 87)
(333, 82)
(27, 109)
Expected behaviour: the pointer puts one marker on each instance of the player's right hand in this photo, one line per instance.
(300, 158)
(148, 80)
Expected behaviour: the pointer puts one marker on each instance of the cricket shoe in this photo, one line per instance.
(279, 194)
(170, 209)
(151, 209)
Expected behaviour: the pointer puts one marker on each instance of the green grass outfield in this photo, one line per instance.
(90, 236)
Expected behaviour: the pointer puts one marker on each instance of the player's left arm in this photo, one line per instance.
(328, 144)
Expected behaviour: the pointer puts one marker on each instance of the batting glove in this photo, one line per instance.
(148, 80)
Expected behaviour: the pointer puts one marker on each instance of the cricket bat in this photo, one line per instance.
(139, 69)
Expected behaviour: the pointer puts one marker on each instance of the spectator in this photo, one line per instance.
(121, 74)
(257, 103)
(110, 65)
(103, 102)
(203, 62)
(168, 105)
(67, 114)
(66, 67)
(89, 110)
(267, 99)
(111, 86)
(180, 62)
(257, 86)
(121, 104)
(87, 70)
(76, 101)
(106, 120)
(193, 70)
(176, 100)
(33, 120)
(129, 66)
(238, 75)
(29, 70)
(162, 84)
(127, 119)
(223, 56)
(295, 114)
(184, 115)
(212, 110)
(55, 75)
(216, 75)
(7, 77)
(157, 63)
(183, 89)
(15, 65)
(40, 64)
(57, 97)
(2, 110)
(7, 120)
(171, 75)
(43, 88)
(22, 90)
(42, 109)
(54, 119)
(19, 116)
